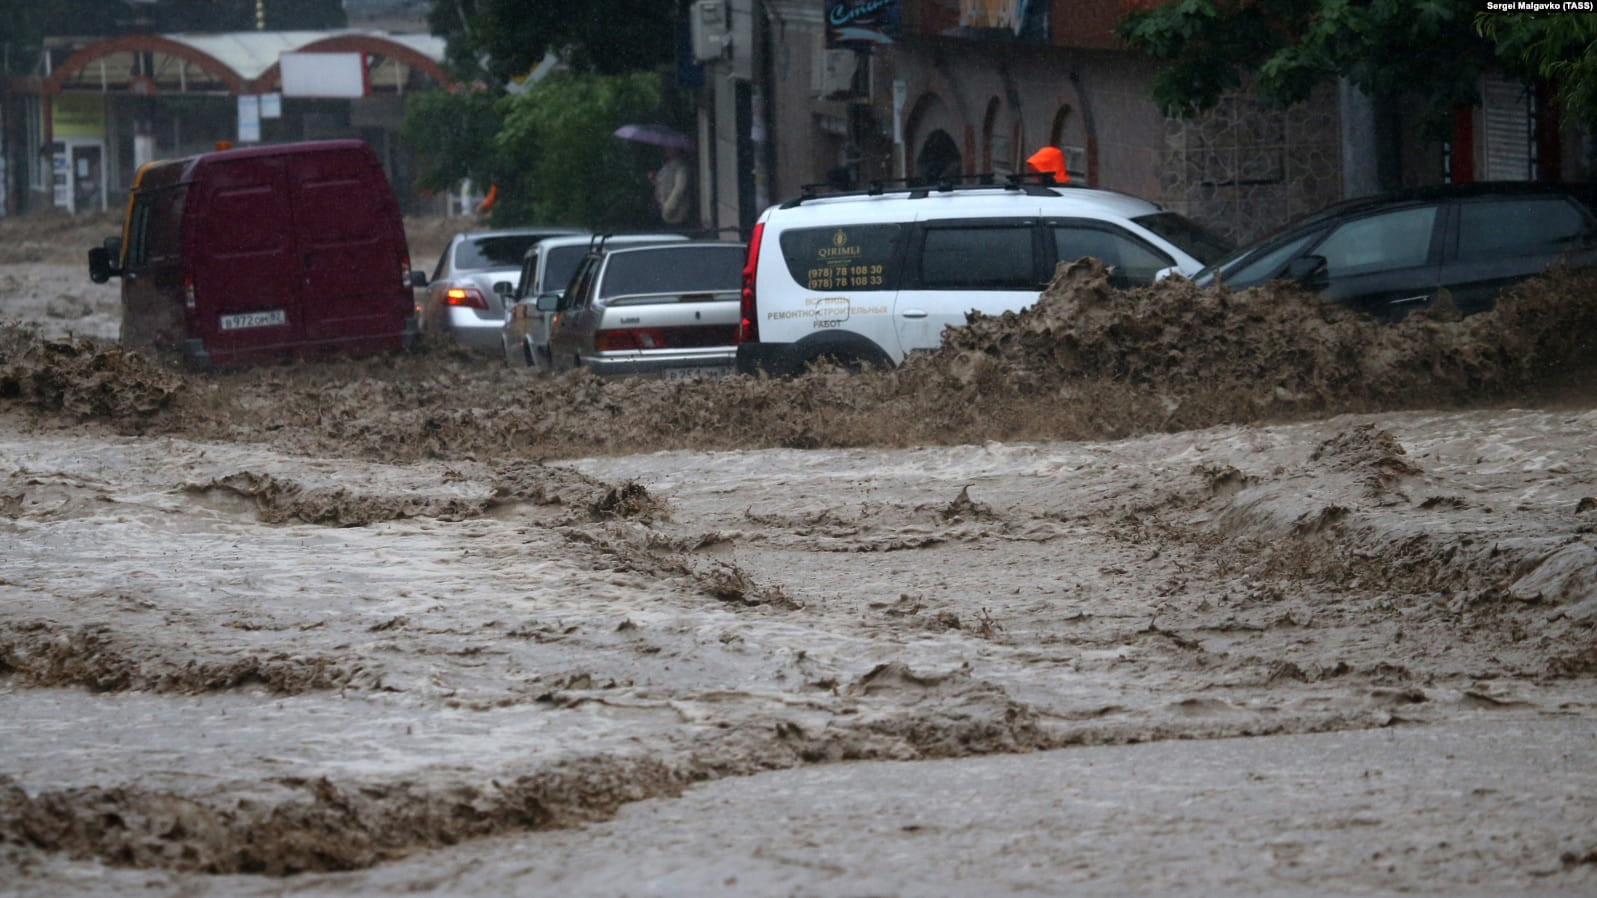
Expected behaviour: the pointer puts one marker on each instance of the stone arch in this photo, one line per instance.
(930, 114)
(370, 45)
(938, 157)
(142, 43)
(989, 126)
(1072, 133)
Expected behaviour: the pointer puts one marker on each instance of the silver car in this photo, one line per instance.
(666, 309)
(547, 269)
(465, 297)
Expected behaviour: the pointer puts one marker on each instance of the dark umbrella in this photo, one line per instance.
(659, 135)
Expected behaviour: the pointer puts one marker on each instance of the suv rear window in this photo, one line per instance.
(857, 257)
(559, 265)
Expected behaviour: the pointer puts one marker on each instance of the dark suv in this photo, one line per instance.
(1387, 255)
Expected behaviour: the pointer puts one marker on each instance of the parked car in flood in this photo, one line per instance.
(666, 309)
(462, 299)
(545, 272)
(1388, 255)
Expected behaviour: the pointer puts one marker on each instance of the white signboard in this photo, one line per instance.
(324, 75)
(249, 118)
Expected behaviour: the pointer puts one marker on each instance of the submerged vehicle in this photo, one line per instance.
(241, 256)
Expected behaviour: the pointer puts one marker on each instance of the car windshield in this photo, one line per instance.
(498, 251)
(1188, 236)
(675, 269)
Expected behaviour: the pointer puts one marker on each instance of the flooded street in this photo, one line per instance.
(383, 626)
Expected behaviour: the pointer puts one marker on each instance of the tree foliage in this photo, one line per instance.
(551, 151)
(1560, 49)
(500, 40)
(1425, 49)
(451, 133)
(560, 159)
(1429, 51)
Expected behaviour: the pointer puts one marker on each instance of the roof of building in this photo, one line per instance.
(238, 62)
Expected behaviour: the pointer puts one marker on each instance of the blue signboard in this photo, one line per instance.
(856, 23)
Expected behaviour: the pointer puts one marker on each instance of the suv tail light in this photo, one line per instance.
(188, 292)
(748, 321)
(465, 297)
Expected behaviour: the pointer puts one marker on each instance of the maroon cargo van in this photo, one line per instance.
(261, 254)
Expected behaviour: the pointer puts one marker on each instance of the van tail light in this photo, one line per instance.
(748, 320)
(188, 292)
(404, 270)
(465, 297)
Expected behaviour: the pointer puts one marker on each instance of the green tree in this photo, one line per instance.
(559, 160)
(452, 135)
(1431, 52)
(500, 40)
(551, 151)
(1423, 49)
(1558, 48)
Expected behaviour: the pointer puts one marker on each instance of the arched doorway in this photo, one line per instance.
(938, 158)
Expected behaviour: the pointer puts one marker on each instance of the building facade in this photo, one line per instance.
(73, 134)
(847, 92)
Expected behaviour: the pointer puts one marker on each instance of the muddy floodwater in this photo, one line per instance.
(1172, 592)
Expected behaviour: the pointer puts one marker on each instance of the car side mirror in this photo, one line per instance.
(101, 268)
(418, 278)
(548, 302)
(1310, 271)
(504, 288)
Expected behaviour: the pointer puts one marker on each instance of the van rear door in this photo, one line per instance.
(351, 247)
(247, 291)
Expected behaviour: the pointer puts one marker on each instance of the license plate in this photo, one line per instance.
(245, 320)
(702, 371)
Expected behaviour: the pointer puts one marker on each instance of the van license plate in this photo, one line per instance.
(254, 319)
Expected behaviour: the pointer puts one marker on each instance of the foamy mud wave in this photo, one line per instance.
(293, 825)
(97, 658)
(1175, 356)
(638, 549)
(290, 826)
(278, 500)
(82, 378)
(1085, 362)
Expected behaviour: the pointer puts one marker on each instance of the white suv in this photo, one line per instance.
(863, 279)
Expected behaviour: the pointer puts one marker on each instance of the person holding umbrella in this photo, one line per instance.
(673, 180)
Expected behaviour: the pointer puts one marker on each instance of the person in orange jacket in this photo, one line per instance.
(1051, 161)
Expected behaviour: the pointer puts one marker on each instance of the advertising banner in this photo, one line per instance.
(78, 115)
(860, 23)
(1013, 20)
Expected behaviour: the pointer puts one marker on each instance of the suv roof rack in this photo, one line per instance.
(1029, 183)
